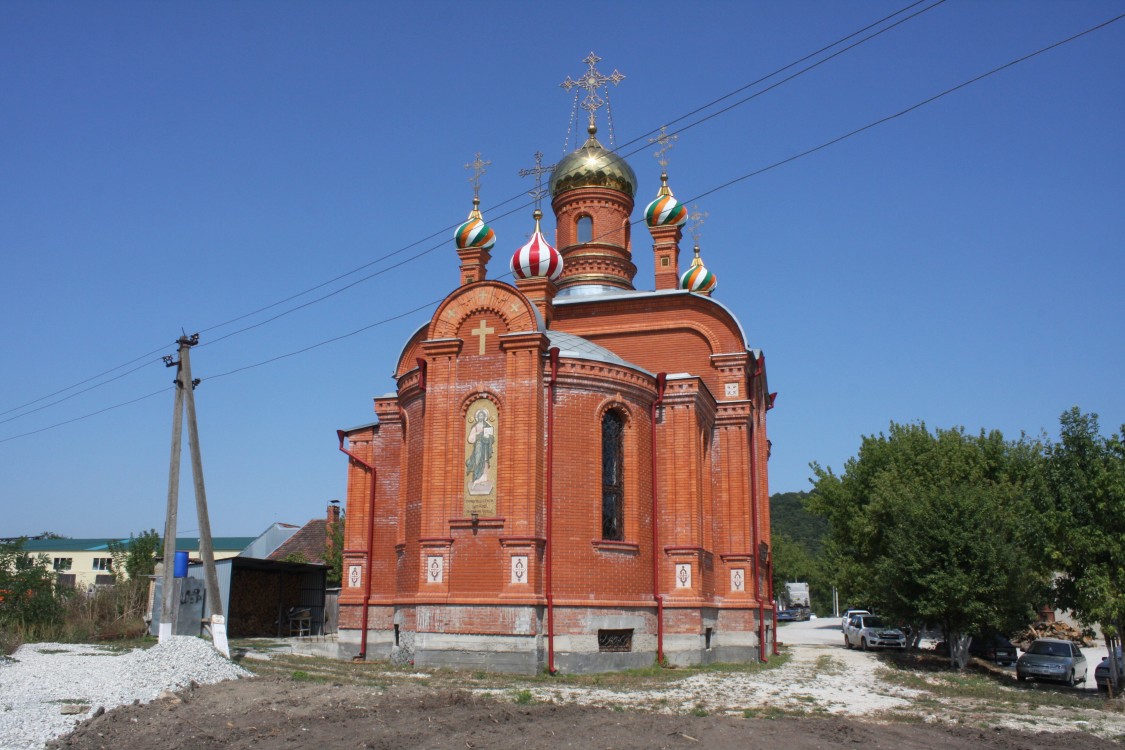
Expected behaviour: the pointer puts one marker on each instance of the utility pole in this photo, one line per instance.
(167, 609)
(185, 399)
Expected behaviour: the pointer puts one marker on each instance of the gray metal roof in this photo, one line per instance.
(577, 347)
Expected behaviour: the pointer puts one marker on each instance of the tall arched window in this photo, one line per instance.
(585, 229)
(613, 480)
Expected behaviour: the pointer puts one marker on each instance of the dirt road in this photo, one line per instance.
(823, 697)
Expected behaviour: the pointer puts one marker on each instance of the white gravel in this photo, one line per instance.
(41, 680)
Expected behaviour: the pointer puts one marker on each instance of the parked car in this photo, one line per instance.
(787, 615)
(1101, 672)
(995, 648)
(868, 631)
(1052, 659)
(848, 616)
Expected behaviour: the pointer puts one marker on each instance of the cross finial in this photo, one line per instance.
(666, 141)
(538, 171)
(592, 80)
(697, 217)
(478, 167)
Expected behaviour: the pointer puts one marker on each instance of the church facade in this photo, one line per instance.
(571, 473)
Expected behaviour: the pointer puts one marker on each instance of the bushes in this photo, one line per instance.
(34, 608)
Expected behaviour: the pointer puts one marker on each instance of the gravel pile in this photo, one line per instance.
(47, 688)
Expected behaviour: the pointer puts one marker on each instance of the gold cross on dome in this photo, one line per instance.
(592, 80)
(482, 331)
(697, 217)
(538, 171)
(666, 141)
(478, 167)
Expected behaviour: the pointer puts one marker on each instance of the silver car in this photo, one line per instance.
(1052, 659)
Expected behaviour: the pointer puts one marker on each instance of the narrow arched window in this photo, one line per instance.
(585, 229)
(613, 480)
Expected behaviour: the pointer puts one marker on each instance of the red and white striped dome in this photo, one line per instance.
(537, 257)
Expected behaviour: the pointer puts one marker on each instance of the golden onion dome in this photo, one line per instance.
(593, 166)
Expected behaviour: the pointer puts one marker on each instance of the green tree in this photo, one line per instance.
(28, 594)
(334, 551)
(937, 528)
(136, 558)
(1085, 492)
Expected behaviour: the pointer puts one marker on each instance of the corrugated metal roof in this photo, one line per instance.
(224, 543)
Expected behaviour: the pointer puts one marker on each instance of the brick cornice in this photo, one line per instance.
(442, 347)
(524, 340)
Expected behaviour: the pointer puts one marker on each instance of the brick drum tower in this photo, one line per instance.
(571, 473)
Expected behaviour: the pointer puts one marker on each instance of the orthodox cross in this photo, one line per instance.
(696, 217)
(666, 141)
(482, 332)
(592, 80)
(478, 168)
(538, 171)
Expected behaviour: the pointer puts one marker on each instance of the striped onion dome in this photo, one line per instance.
(697, 278)
(474, 233)
(537, 257)
(665, 210)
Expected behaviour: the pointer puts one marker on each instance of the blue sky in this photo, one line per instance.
(173, 166)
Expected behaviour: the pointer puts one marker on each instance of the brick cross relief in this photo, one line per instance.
(482, 332)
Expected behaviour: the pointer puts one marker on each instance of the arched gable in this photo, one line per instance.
(506, 302)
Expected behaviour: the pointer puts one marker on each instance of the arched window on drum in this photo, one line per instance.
(585, 229)
(613, 479)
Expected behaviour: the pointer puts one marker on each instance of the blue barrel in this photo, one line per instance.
(179, 570)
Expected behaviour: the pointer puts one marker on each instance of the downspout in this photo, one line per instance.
(773, 600)
(554, 356)
(755, 554)
(370, 544)
(776, 651)
(661, 380)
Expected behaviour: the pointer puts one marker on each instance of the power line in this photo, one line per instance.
(445, 230)
(324, 342)
(87, 380)
(86, 416)
(76, 393)
(716, 189)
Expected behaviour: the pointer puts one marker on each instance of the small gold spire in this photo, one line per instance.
(696, 261)
(664, 189)
(538, 215)
(475, 213)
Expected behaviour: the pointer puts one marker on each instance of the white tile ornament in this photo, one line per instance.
(737, 580)
(731, 390)
(519, 568)
(355, 576)
(683, 575)
(435, 569)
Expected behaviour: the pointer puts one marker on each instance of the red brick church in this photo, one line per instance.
(571, 473)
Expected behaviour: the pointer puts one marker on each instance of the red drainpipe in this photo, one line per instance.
(776, 651)
(370, 544)
(661, 379)
(756, 556)
(554, 355)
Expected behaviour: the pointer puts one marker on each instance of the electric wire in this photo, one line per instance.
(87, 416)
(526, 204)
(445, 230)
(711, 191)
(739, 179)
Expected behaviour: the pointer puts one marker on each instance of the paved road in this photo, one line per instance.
(826, 631)
(812, 632)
